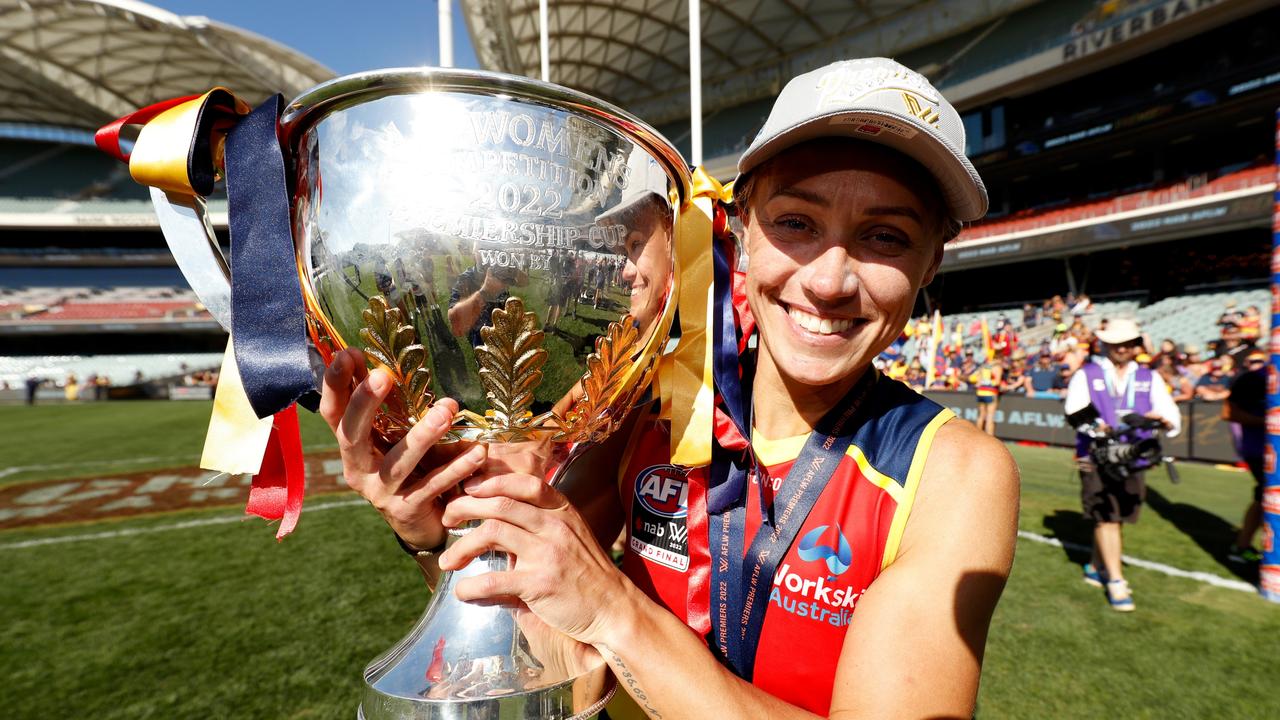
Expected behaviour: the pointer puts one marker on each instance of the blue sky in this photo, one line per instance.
(346, 36)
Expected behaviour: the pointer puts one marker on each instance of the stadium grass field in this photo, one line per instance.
(217, 620)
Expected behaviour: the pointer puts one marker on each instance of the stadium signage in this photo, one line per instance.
(1078, 135)
(1093, 41)
(1205, 436)
(1101, 233)
(1254, 84)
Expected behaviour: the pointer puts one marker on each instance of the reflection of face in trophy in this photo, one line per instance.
(648, 255)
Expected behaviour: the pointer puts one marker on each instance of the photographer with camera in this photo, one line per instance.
(1114, 446)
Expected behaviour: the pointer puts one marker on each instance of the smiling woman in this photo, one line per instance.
(844, 552)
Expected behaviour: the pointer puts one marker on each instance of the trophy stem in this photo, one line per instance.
(467, 661)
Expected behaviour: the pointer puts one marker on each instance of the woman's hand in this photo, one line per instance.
(558, 569)
(404, 488)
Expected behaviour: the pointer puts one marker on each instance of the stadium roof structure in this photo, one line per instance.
(82, 63)
(627, 51)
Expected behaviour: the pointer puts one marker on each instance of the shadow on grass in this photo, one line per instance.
(1210, 532)
(1074, 531)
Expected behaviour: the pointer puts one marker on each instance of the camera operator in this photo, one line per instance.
(1115, 386)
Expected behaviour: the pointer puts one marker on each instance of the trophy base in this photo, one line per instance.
(579, 698)
(470, 661)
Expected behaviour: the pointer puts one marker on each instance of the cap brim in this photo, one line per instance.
(958, 181)
(1117, 336)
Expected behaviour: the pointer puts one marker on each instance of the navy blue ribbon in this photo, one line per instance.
(741, 583)
(729, 468)
(267, 316)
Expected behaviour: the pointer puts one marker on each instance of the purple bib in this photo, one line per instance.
(1135, 399)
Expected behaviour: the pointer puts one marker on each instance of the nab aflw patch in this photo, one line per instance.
(659, 529)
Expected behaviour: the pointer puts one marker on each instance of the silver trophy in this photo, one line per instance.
(508, 243)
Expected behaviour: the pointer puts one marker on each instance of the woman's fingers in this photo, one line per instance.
(525, 488)
(353, 429)
(465, 508)
(502, 587)
(401, 460)
(490, 535)
(447, 475)
(336, 392)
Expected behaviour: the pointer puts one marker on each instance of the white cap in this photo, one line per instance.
(645, 177)
(882, 101)
(1120, 330)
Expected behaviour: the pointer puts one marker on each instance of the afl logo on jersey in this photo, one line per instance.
(662, 490)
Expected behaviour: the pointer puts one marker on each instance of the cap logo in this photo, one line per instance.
(844, 85)
(923, 112)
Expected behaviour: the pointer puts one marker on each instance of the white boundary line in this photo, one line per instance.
(125, 532)
(1204, 577)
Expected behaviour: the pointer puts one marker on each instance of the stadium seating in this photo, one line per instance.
(1186, 319)
(1193, 318)
(43, 304)
(1033, 219)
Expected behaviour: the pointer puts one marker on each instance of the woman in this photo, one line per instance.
(987, 382)
(843, 225)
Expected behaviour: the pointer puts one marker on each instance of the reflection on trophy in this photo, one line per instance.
(507, 243)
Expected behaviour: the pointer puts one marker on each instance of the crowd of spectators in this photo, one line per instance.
(962, 353)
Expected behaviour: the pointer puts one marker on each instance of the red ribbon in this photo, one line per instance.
(108, 136)
(276, 493)
(698, 595)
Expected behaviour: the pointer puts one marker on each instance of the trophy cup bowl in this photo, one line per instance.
(508, 243)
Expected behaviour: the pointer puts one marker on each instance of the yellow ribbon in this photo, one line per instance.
(684, 375)
(237, 439)
(180, 150)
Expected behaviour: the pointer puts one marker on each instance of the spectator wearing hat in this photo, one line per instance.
(1234, 345)
(1115, 386)
(1016, 379)
(1194, 363)
(1061, 342)
(1043, 378)
(1215, 384)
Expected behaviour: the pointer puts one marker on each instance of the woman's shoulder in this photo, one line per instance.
(970, 487)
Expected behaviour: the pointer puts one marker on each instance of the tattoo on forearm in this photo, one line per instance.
(633, 686)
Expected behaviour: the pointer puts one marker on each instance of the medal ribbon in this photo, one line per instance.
(267, 315)
(182, 146)
(740, 582)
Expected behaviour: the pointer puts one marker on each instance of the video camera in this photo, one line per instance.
(1121, 451)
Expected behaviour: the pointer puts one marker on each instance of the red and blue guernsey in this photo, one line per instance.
(849, 537)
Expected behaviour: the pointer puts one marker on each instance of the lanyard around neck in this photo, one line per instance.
(740, 580)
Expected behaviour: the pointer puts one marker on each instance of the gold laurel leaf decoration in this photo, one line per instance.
(394, 345)
(511, 361)
(607, 367)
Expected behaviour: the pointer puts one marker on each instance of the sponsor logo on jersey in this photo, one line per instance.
(838, 556)
(811, 591)
(662, 490)
(1273, 375)
(659, 528)
(1268, 459)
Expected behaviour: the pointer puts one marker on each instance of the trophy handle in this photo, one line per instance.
(184, 221)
